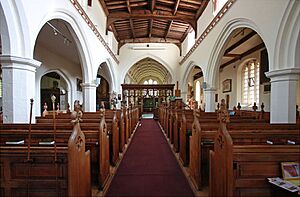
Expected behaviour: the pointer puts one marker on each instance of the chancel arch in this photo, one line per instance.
(146, 69)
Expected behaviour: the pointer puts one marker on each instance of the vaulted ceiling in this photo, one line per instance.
(149, 68)
(160, 21)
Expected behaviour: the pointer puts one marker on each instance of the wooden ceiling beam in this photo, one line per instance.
(250, 51)
(153, 2)
(113, 7)
(139, 4)
(185, 34)
(158, 7)
(132, 28)
(241, 41)
(194, 2)
(149, 40)
(113, 17)
(113, 28)
(189, 6)
(201, 9)
(167, 2)
(184, 13)
(232, 55)
(150, 27)
(169, 28)
(128, 6)
(176, 7)
(112, 2)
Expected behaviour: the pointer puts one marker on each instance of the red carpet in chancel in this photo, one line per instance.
(149, 167)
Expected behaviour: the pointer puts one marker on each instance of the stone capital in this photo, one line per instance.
(88, 85)
(287, 74)
(20, 63)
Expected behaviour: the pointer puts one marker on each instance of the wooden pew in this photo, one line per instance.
(46, 171)
(185, 130)
(104, 166)
(90, 118)
(122, 141)
(45, 131)
(242, 170)
(241, 133)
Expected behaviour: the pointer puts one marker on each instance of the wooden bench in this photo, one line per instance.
(46, 171)
(44, 132)
(242, 170)
(203, 134)
(112, 121)
(184, 132)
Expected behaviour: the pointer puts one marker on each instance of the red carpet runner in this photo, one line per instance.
(149, 167)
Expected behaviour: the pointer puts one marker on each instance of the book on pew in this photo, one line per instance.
(291, 172)
(284, 184)
(15, 142)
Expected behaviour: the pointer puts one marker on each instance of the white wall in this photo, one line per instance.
(98, 17)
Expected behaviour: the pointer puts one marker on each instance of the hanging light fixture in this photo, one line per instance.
(56, 32)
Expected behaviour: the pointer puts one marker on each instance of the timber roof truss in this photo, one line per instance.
(152, 21)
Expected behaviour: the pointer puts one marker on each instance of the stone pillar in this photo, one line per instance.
(89, 97)
(283, 95)
(184, 96)
(209, 94)
(18, 79)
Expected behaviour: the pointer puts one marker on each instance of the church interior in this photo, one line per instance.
(149, 98)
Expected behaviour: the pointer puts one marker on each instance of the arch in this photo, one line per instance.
(287, 41)
(220, 44)
(186, 74)
(14, 30)
(158, 59)
(38, 87)
(111, 72)
(76, 31)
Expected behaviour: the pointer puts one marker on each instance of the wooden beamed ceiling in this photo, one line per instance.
(158, 21)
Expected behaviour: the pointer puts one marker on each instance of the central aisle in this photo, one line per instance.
(149, 167)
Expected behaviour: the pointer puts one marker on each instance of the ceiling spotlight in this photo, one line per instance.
(55, 32)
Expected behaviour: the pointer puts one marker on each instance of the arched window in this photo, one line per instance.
(150, 82)
(197, 91)
(250, 83)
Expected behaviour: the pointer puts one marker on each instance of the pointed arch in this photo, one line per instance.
(158, 59)
(14, 29)
(287, 41)
(76, 30)
(220, 44)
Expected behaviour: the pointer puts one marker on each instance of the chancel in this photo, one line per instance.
(149, 98)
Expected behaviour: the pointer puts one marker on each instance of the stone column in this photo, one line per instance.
(18, 79)
(283, 95)
(209, 94)
(89, 97)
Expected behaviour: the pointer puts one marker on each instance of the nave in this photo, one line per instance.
(149, 167)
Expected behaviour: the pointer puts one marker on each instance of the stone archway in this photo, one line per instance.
(52, 83)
